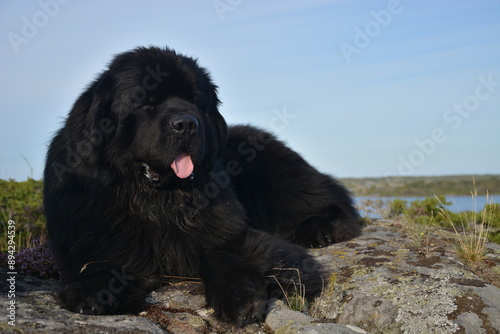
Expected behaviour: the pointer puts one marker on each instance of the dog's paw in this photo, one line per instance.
(103, 289)
(243, 309)
(240, 304)
(315, 234)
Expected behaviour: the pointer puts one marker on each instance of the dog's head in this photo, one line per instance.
(152, 114)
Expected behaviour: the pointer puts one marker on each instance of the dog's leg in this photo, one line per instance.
(102, 288)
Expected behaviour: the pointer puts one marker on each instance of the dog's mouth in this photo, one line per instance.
(182, 166)
(151, 174)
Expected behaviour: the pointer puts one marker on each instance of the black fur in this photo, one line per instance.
(119, 218)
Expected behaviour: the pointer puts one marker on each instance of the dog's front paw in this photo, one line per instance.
(241, 305)
(101, 288)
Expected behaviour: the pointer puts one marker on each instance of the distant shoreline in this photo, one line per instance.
(413, 186)
(423, 186)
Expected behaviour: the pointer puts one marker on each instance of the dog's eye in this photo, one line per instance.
(147, 108)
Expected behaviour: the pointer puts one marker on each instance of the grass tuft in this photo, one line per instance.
(421, 232)
(473, 233)
(295, 293)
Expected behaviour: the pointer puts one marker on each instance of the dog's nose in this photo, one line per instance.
(185, 124)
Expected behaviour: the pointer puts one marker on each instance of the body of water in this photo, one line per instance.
(458, 203)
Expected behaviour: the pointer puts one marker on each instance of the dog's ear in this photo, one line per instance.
(219, 123)
(216, 131)
(90, 119)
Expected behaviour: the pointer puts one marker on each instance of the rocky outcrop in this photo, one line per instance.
(398, 278)
(392, 279)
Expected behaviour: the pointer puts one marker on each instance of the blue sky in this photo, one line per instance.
(369, 88)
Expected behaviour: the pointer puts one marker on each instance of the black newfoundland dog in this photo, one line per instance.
(145, 180)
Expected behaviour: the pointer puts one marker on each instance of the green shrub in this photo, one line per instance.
(429, 206)
(397, 207)
(22, 202)
(495, 237)
(433, 209)
(494, 209)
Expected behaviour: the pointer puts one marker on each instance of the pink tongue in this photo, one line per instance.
(182, 165)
